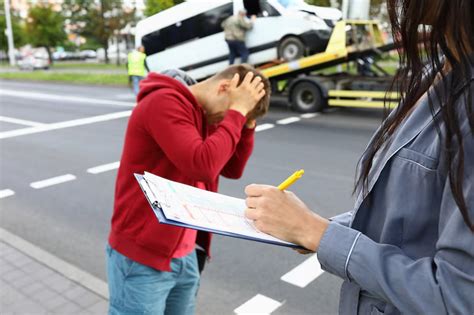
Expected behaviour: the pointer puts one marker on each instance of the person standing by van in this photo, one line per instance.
(190, 133)
(136, 67)
(235, 28)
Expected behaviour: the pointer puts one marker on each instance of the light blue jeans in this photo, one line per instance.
(136, 83)
(138, 289)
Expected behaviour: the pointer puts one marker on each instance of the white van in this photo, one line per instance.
(189, 36)
(328, 14)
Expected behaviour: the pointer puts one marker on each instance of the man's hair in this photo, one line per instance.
(262, 106)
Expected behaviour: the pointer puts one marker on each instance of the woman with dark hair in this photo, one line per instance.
(408, 244)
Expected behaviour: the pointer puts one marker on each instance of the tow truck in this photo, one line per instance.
(351, 41)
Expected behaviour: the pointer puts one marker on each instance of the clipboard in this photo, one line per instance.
(164, 197)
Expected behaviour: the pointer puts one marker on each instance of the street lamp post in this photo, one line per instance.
(9, 33)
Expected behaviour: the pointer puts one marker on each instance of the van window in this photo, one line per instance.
(252, 7)
(210, 21)
(260, 8)
(199, 26)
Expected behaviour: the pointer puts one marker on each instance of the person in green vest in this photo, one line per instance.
(136, 67)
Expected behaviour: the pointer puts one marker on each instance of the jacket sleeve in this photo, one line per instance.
(172, 125)
(236, 165)
(248, 25)
(343, 218)
(443, 283)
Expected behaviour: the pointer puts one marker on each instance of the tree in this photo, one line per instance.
(45, 28)
(98, 20)
(19, 36)
(155, 6)
(323, 3)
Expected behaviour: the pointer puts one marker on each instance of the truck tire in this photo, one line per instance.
(291, 48)
(307, 97)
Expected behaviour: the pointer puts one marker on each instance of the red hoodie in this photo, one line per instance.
(168, 135)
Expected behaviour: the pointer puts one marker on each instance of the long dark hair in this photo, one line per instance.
(448, 40)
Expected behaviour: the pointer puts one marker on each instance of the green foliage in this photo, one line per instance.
(155, 6)
(324, 3)
(97, 21)
(45, 27)
(19, 36)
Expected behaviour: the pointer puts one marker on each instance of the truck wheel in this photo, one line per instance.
(306, 97)
(291, 48)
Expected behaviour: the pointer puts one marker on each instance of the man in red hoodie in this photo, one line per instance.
(190, 133)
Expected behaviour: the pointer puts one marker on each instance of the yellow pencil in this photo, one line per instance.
(290, 180)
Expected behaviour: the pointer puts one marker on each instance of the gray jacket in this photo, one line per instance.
(235, 27)
(406, 248)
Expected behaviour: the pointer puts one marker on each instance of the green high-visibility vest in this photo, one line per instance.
(136, 63)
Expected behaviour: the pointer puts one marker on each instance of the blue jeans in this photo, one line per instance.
(237, 48)
(138, 289)
(136, 83)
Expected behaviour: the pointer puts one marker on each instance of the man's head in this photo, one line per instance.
(216, 101)
(141, 49)
(242, 12)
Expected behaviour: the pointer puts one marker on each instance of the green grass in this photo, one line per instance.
(95, 79)
(87, 65)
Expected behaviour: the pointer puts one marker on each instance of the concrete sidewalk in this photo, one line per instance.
(28, 286)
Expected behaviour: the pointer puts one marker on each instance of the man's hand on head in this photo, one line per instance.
(244, 97)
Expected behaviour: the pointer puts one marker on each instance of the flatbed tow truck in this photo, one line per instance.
(351, 40)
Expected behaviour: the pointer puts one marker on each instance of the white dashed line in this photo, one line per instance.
(288, 120)
(310, 115)
(259, 304)
(64, 124)
(6, 193)
(20, 121)
(305, 273)
(264, 127)
(63, 98)
(53, 181)
(71, 272)
(104, 168)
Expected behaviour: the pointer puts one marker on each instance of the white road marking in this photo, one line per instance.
(64, 124)
(53, 181)
(310, 115)
(288, 120)
(64, 98)
(69, 271)
(264, 127)
(304, 273)
(103, 168)
(259, 304)
(6, 193)
(20, 121)
(126, 96)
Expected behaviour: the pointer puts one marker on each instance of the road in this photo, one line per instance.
(51, 130)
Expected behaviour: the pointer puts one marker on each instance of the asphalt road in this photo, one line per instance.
(71, 219)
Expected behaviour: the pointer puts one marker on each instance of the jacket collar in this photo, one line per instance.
(412, 126)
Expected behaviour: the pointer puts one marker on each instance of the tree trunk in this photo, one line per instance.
(50, 55)
(106, 53)
(118, 49)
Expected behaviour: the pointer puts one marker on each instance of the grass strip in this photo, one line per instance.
(93, 78)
